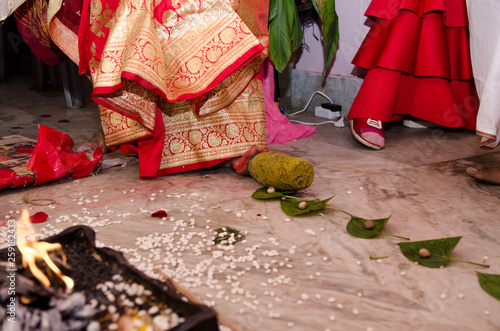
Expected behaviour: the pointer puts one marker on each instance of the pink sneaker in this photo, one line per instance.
(368, 132)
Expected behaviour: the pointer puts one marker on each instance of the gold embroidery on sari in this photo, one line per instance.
(135, 101)
(34, 18)
(227, 133)
(184, 63)
(180, 58)
(119, 129)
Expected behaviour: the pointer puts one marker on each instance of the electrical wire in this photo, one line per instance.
(338, 124)
(308, 102)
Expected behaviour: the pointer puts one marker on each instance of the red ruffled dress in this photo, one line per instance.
(417, 53)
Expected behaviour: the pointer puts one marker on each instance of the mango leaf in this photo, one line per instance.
(280, 32)
(356, 227)
(439, 249)
(262, 194)
(490, 284)
(291, 207)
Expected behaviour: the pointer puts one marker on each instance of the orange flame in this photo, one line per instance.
(32, 250)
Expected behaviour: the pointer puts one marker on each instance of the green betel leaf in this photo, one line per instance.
(490, 284)
(356, 227)
(263, 194)
(439, 249)
(291, 207)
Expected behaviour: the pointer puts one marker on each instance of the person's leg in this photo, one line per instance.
(486, 174)
(96, 141)
(374, 104)
(485, 45)
(368, 131)
(240, 164)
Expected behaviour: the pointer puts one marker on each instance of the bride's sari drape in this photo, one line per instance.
(179, 77)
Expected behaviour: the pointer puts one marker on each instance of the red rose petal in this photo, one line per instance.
(159, 213)
(39, 217)
(45, 115)
(63, 121)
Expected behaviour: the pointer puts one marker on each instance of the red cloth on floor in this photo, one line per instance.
(54, 158)
(417, 53)
(6, 177)
(51, 159)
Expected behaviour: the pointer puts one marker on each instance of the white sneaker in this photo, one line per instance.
(420, 124)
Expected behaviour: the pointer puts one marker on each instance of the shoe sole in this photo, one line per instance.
(361, 139)
(420, 124)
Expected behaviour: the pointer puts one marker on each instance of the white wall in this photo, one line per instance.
(352, 30)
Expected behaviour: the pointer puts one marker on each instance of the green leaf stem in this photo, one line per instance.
(378, 257)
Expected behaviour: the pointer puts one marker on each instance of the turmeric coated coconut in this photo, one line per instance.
(281, 171)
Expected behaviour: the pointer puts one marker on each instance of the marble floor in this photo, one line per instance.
(291, 273)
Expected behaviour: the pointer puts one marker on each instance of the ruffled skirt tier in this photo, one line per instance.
(417, 56)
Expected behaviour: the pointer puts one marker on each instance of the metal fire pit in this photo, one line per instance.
(90, 267)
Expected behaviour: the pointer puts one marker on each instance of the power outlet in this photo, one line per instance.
(326, 113)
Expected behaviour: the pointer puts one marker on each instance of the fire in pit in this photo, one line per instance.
(97, 289)
(32, 250)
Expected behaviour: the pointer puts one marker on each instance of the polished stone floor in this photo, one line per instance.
(296, 273)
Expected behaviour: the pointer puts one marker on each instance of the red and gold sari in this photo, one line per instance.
(180, 77)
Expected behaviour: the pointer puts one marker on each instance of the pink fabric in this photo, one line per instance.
(279, 129)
